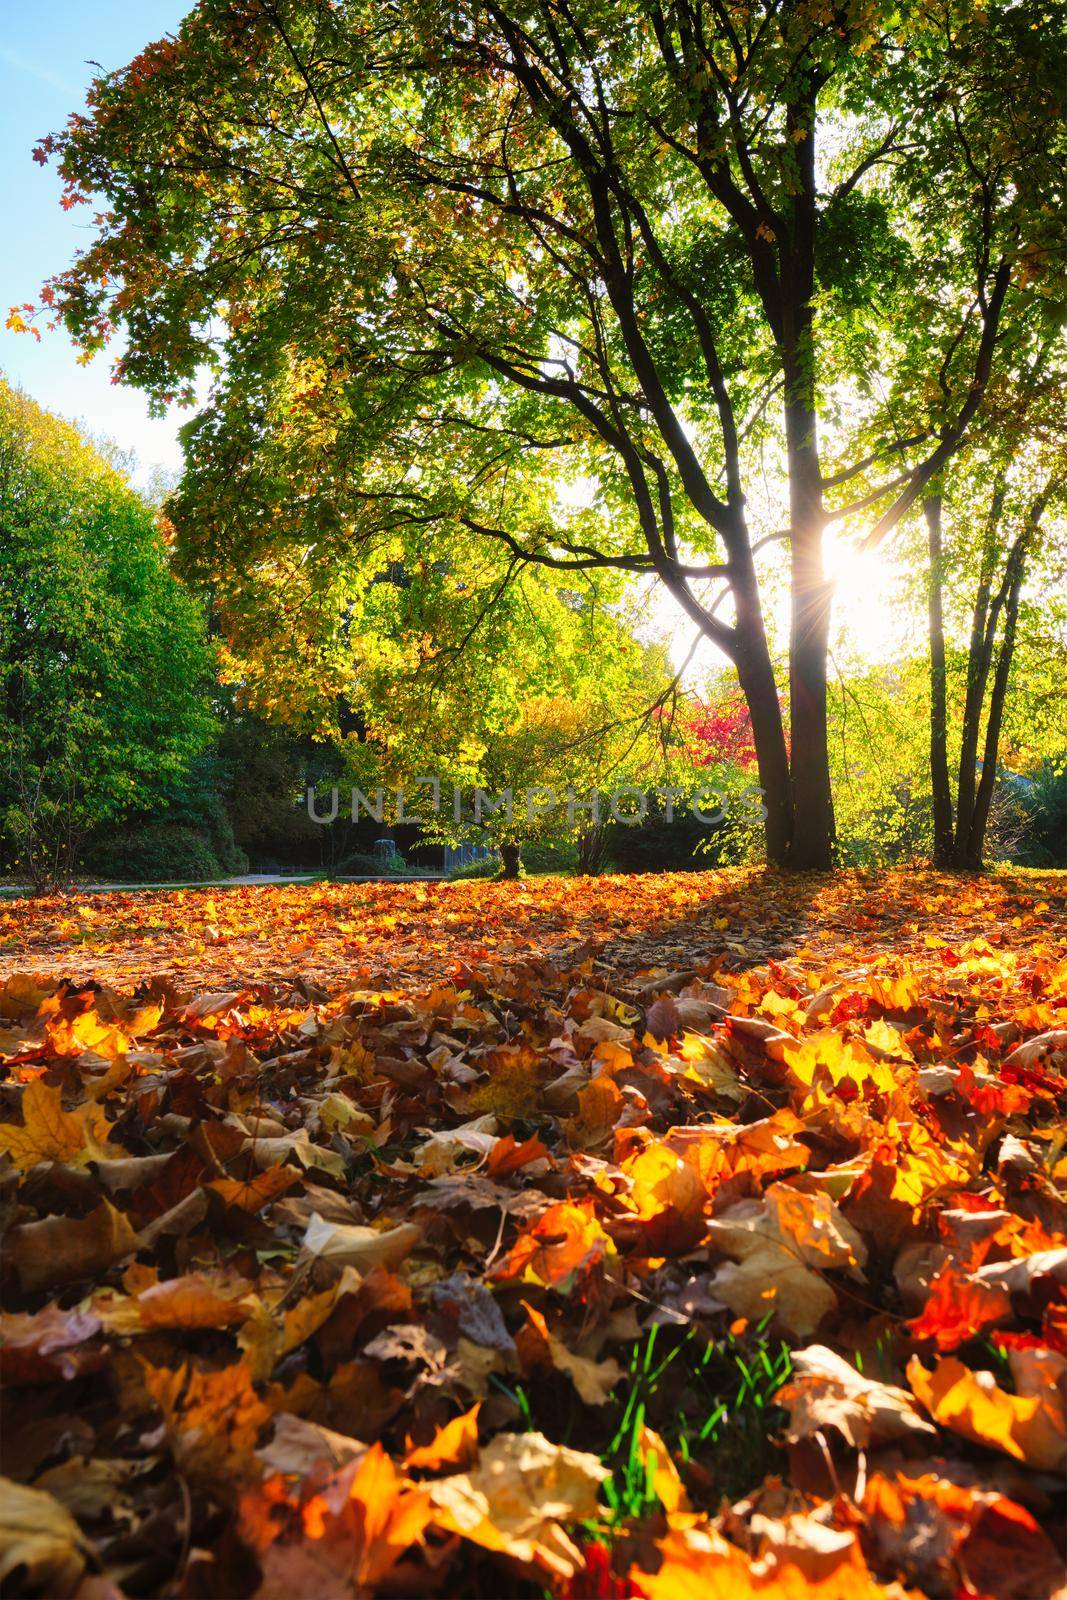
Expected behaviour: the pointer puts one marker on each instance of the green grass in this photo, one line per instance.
(711, 1401)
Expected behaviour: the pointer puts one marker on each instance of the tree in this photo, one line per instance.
(1002, 497)
(449, 251)
(1009, 529)
(103, 657)
(476, 673)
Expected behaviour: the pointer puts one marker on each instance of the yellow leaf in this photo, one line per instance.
(1030, 1425)
(48, 1133)
(39, 1538)
(523, 1488)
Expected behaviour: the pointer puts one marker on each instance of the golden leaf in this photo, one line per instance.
(48, 1133)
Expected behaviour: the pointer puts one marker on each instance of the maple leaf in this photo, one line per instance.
(297, 1446)
(257, 1190)
(514, 1501)
(668, 1197)
(214, 1419)
(783, 1244)
(48, 1133)
(40, 1540)
(508, 1156)
(48, 1344)
(356, 1530)
(826, 1392)
(194, 1300)
(593, 1380)
(75, 1032)
(1030, 1425)
(60, 1250)
(932, 1528)
(562, 1246)
(959, 1308)
(699, 1564)
(454, 1445)
(360, 1247)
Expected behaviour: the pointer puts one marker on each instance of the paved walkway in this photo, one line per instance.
(15, 889)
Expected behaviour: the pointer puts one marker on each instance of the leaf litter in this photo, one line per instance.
(671, 1236)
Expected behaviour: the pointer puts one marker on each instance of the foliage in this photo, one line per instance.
(1043, 800)
(358, 863)
(561, 283)
(720, 730)
(159, 852)
(386, 1238)
(103, 660)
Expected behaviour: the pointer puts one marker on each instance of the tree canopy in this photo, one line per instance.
(104, 663)
(440, 256)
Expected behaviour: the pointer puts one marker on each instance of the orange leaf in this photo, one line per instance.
(564, 1244)
(454, 1445)
(1030, 1425)
(257, 1190)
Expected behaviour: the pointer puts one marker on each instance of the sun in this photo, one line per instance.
(869, 602)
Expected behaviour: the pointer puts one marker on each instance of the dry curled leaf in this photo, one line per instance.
(39, 1540)
(826, 1392)
(515, 1500)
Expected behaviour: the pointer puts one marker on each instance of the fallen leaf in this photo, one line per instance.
(454, 1445)
(515, 1500)
(360, 1247)
(60, 1250)
(48, 1133)
(1030, 1425)
(39, 1540)
(826, 1392)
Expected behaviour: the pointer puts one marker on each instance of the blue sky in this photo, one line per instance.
(44, 54)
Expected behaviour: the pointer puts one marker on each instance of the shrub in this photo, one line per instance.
(359, 863)
(160, 852)
(1042, 799)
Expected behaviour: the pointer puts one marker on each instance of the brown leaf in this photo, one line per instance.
(61, 1250)
(826, 1392)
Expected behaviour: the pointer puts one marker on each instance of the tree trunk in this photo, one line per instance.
(974, 840)
(979, 660)
(939, 779)
(590, 851)
(510, 860)
(756, 674)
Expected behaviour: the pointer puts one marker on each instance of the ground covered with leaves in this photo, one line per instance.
(685, 1236)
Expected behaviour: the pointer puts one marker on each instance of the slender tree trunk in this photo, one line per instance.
(974, 842)
(979, 660)
(510, 860)
(939, 779)
(812, 845)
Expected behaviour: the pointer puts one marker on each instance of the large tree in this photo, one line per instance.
(104, 663)
(444, 254)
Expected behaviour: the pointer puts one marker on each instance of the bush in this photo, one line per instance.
(359, 863)
(160, 852)
(685, 844)
(541, 857)
(488, 868)
(1043, 801)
